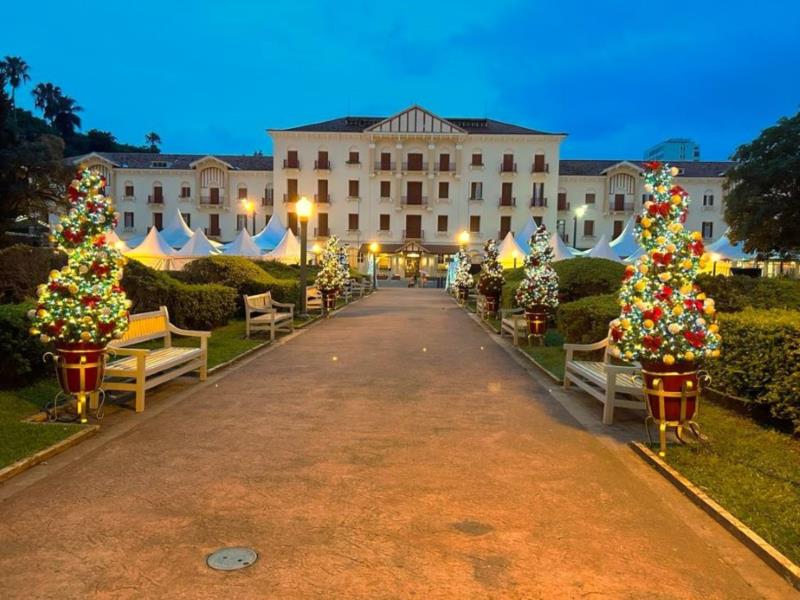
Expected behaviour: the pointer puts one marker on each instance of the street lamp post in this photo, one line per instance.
(463, 239)
(579, 212)
(303, 210)
(374, 247)
(249, 208)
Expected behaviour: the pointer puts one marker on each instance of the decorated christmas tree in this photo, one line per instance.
(83, 303)
(538, 291)
(462, 280)
(490, 283)
(332, 274)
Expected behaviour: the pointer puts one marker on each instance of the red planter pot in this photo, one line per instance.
(329, 300)
(80, 367)
(672, 392)
(537, 321)
(491, 304)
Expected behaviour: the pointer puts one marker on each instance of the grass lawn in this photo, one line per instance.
(19, 439)
(753, 471)
(551, 355)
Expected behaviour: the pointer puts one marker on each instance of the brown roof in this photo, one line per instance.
(688, 168)
(354, 124)
(145, 160)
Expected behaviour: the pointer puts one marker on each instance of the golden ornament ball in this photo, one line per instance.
(669, 359)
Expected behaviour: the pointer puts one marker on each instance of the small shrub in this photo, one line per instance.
(581, 277)
(738, 292)
(585, 321)
(22, 353)
(760, 360)
(23, 268)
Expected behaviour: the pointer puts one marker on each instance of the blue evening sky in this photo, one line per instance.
(210, 77)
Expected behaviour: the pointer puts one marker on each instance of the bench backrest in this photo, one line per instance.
(258, 300)
(144, 327)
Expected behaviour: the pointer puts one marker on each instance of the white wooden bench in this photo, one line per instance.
(514, 323)
(261, 312)
(614, 385)
(313, 299)
(149, 368)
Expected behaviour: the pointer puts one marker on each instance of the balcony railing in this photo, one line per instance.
(415, 167)
(322, 232)
(352, 162)
(322, 198)
(289, 163)
(541, 168)
(413, 234)
(476, 198)
(563, 206)
(212, 201)
(322, 165)
(508, 167)
(384, 166)
(618, 207)
(267, 201)
(151, 199)
(537, 202)
(291, 198)
(448, 168)
(129, 197)
(477, 165)
(507, 202)
(414, 201)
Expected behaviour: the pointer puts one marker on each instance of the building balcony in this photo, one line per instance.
(545, 168)
(476, 165)
(287, 198)
(475, 198)
(507, 202)
(416, 235)
(130, 198)
(213, 202)
(353, 163)
(414, 201)
(415, 167)
(563, 206)
(322, 165)
(449, 168)
(384, 166)
(322, 198)
(267, 201)
(620, 207)
(184, 198)
(155, 199)
(322, 232)
(291, 164)
(508, 168)
(537, 202)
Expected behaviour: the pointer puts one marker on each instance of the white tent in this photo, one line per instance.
(625, 244)
(524, 236)
(153, 251)
(510, 253)
(197, 247)
(724, 249)
(631, 258)
(112, 239)
(243, 245)
(272, 234)
(602, 249)
(287, 250)
(177, 232)
(560, 250)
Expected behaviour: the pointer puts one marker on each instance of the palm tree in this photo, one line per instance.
(16, 73)
(46, 97)
(154, 140)
(64, 119)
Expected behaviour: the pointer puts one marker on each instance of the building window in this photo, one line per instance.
(158, 220)
(538, 198)
(618, 226)
(129, 191)
(708, 199)
(589, 197)
(322, 225)
(561, 229)
(506, 194)
(508, 165)
(386, 161)
(562, 201)
(353, 158)
(476, 190)
(291, 221)
(352, 188)
(441, 224)
(477, 159)
(415, 161)
(505, 226)
(158, 195)
(291, 190)
(539, 166)
(352, 222)
(444, 162)
(647, 198)
(708, 230)
(588, 229)
(186, 191)
(128, 220)
(188, 218)
(242, 193)
(322, 160)
(475, 224)
(241, 222)
(444, 189)
(385, 221)
(386, 189)
(322, 191)
(213, 225)
(292, 161)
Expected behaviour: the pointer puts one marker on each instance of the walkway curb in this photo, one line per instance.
(758, 545)
(26, 463)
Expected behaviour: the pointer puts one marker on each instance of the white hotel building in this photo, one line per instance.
(411, 182)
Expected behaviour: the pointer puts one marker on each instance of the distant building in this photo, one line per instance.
(674, 149)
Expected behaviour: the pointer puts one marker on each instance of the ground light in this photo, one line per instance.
(303, 210)
(579, 212)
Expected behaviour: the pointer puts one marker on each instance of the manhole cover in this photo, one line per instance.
(231, 559)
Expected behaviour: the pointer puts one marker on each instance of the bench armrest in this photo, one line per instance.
(119, 351)
(283, 304)
(571, 348)
(188, 332)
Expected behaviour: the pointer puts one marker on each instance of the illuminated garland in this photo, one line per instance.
(463, 278)
(491, 278)
(83, 302)
(666, 319)
(539, 287)
(332, 274)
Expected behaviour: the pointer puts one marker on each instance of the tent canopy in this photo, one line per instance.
(524, 236)
(560, 250)
(724, 249)
(272, 234)
(243, 245)
(153, 245)
(177, 232)
(602, 249)
(112, 239)
(510, 252)
(625, 244)
(198, 245)
(287, 250)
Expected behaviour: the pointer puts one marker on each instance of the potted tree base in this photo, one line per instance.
(672, 392)
(537, 320)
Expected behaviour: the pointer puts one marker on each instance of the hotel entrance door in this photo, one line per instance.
(412, 265)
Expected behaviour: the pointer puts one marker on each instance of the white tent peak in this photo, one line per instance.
(602, 249)
(510, 251)
(177, 232)
(560, 250)
(113, 240)
(243, 245)
(287, 250)
(152, 246)
(724, 249)
(625, 243)
(198, 245)
(524, 236)
(272, 234)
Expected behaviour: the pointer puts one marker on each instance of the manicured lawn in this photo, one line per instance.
(19, 439)
(753, 471)
(551, 355)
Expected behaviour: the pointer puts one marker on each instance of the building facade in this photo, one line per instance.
(411, 182)
(674, 149)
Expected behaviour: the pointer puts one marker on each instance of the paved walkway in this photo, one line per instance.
(394, 451)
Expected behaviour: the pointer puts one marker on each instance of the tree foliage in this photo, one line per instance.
(763, 190)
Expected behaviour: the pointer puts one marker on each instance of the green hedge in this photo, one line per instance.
(738, 292)
(581, 277)
(585, 321)
(243, 275)
(761, 360)
(23, 268)
(192, 306)
(21, 352)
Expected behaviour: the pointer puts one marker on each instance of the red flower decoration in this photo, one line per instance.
(652, 165)
(697, 247)
(654, 314)
(695, 338)
(616, 334)
(664, 294)
(676, 189)
(693, 304)
(627, 308)
(652, 342)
